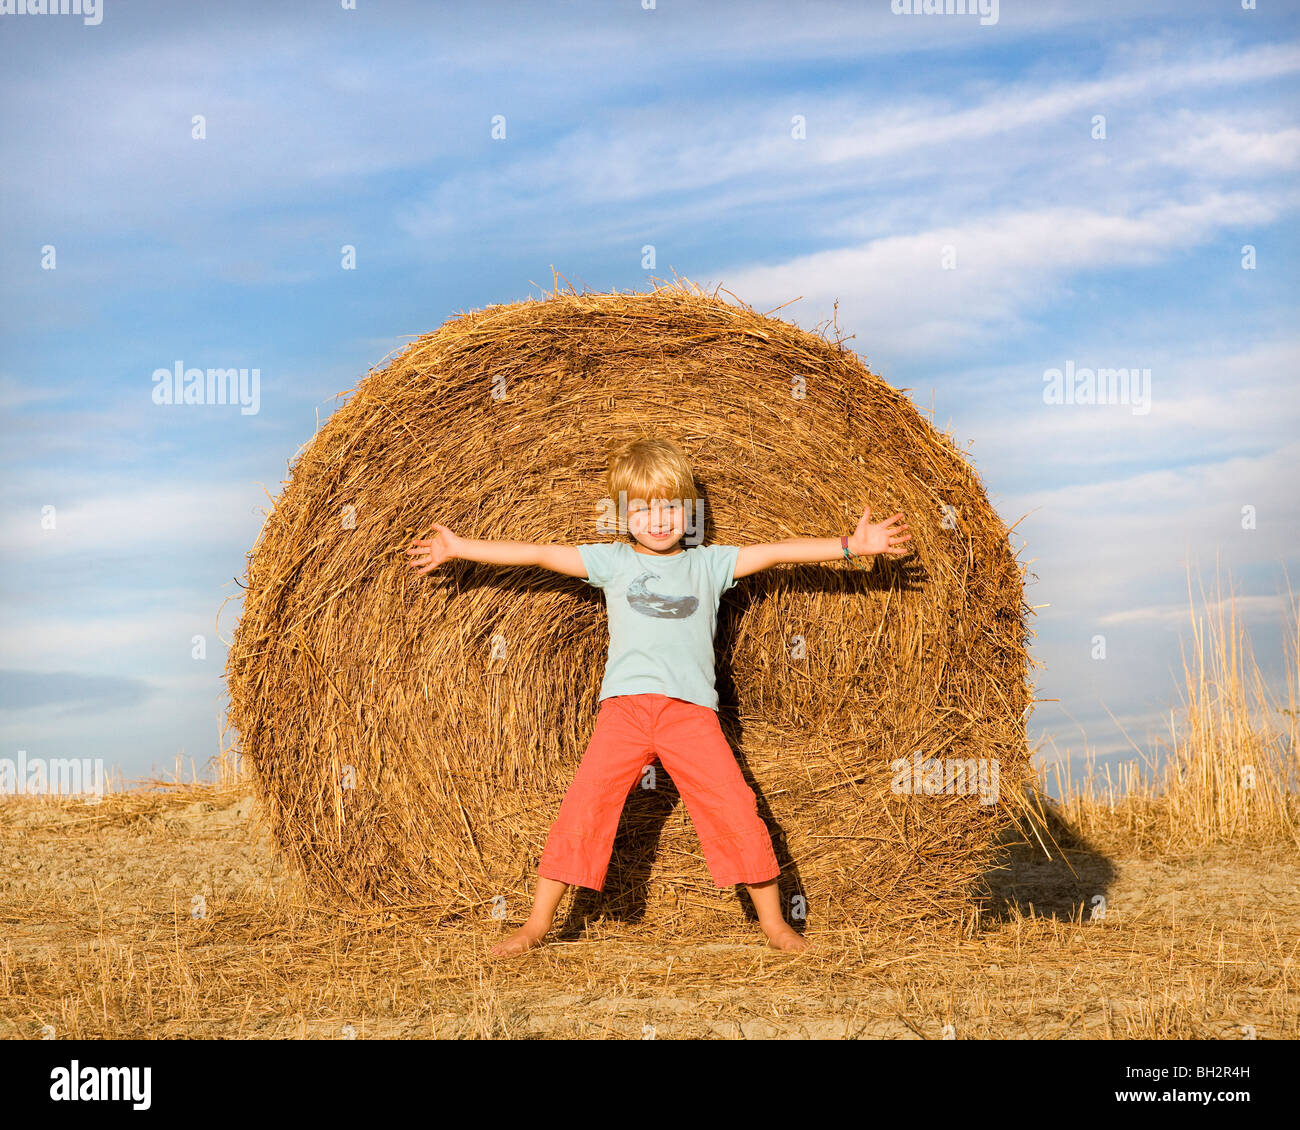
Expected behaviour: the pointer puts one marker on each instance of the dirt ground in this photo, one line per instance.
(163, 914)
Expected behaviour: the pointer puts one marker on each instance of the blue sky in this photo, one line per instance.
(628, 126)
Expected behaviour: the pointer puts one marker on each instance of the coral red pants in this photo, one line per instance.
(631, 731)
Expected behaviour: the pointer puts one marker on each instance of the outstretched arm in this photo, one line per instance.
(867, 540)
(428, 553)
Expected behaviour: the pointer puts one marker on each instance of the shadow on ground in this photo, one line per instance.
(1062, 882)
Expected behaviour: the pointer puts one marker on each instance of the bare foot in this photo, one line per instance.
(781, 937)
(525, 938)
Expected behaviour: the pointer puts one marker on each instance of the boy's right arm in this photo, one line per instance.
(562, 559)
(429, 553)
(558, 558)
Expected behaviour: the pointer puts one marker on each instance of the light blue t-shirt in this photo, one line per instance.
(663, 612)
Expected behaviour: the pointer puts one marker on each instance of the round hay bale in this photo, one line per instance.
(411, 736)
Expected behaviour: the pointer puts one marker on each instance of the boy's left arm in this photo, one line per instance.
(867, 540)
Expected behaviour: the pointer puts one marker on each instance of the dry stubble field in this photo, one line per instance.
(103, 939)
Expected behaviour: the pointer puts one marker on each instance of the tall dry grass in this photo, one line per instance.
(1229, 770)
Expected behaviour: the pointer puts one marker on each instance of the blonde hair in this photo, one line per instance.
(650, 468)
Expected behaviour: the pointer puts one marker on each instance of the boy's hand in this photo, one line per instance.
(432, 552)
(880, 537)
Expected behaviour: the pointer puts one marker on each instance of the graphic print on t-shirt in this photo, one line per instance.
(650, 603)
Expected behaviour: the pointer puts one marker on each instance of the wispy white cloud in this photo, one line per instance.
(49, 639)
(742, 153)
(1014, 107)
(1208, 402)
(1260, 609)
(896, 292)
(1213, 146)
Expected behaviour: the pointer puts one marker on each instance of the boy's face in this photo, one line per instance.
(657, 525)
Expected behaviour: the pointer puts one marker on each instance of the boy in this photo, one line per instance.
(657, 698)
